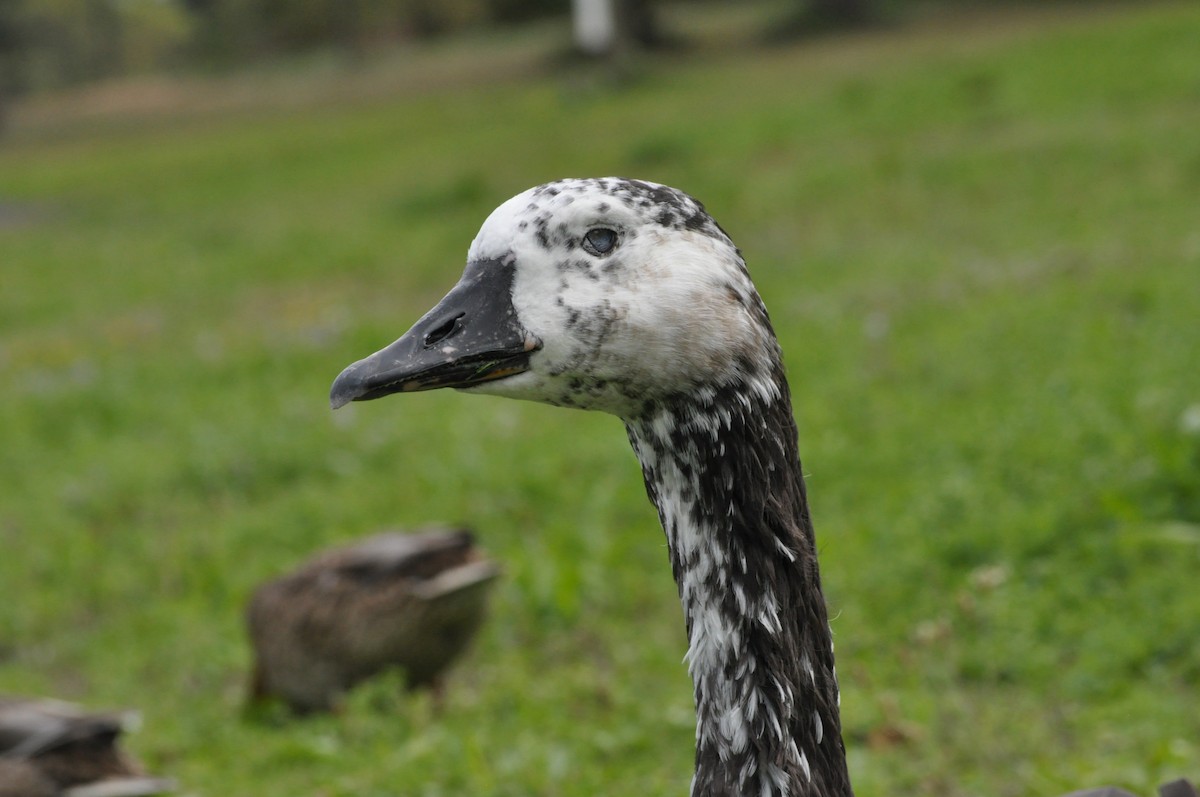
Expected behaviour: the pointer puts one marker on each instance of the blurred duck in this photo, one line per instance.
(50, 748)
(412, 601)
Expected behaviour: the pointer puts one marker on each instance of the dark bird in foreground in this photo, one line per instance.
(626, 297)
(49, 747)
(412, 601)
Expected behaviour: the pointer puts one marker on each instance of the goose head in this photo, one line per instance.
(605, 294)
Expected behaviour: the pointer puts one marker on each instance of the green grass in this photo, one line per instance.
(980, 243)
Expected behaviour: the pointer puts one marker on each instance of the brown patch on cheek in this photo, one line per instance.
(724, 333)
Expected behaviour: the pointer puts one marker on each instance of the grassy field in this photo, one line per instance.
(979, 239)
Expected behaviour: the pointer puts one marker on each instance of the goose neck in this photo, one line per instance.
(721, 466)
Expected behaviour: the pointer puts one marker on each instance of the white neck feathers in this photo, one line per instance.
(722, 469)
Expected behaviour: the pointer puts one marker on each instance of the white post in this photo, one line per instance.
(595, 26)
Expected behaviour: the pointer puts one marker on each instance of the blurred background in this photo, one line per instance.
(977, 229)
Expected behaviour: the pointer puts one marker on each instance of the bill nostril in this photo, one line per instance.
(443, 330)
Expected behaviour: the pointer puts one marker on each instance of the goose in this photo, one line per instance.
(412, 601)
(626, 297)
(52, 747)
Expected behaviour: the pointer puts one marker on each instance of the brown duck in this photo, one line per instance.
(50, 748)
(412, 601)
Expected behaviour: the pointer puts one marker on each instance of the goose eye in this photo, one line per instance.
(600, 241)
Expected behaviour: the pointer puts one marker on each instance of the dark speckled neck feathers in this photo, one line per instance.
(722, 467)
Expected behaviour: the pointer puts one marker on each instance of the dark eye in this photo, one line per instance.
(600, 241)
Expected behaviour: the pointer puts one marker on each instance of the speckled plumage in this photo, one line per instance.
(412, 601)
(670, 310)
(742, 552)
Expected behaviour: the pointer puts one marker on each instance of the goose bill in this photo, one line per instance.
(472, 336)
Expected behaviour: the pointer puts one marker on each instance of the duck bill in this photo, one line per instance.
(472, 336)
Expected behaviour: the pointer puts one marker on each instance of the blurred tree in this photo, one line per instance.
(817, 16)
(47, 43)
(102, 32)
(223, 31)
(8, 60)
(513, 11)
(637, 23)
(231, 30)
(838, 13)
(50, 43)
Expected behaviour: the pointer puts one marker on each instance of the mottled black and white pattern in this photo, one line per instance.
(722, 468)
(667, 331)
(670, 309)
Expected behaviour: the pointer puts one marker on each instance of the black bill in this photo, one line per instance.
(471, 336)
